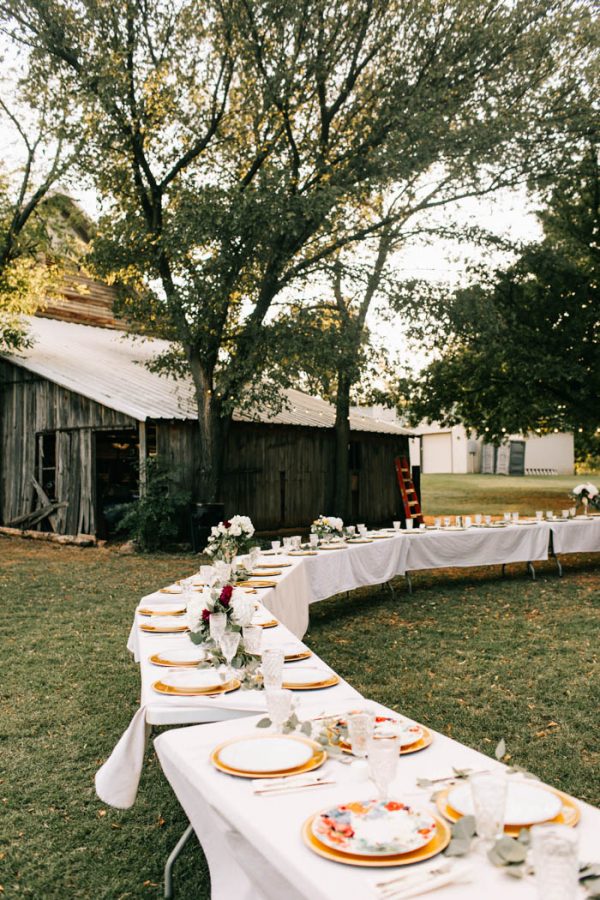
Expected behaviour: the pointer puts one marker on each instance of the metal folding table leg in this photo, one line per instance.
(409, 582)
(172, 860)
(531, 570)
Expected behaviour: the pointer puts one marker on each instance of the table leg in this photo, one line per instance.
(409, 582)
(172, 860)
(531, 570)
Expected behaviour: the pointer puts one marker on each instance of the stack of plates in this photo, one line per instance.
(162, 624)
(375, 833)
(194, 683)
(413, 737)
(308, 678)
(268, 756)
(526, 804)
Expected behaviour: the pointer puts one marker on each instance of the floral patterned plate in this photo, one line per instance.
(409, 733)
(374, 828)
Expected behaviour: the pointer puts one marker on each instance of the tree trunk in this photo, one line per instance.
(213, 429)
(342, 441)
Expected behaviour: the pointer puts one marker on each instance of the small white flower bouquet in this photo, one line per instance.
(235, 603)
(230, 538)
(327, 525)
(586, 494)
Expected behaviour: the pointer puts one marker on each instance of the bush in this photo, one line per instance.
(154, 520)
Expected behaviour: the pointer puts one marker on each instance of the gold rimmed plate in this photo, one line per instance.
(281, 565)
(171, 590)
(309, 678)
(360, 540)
(158, 629)
(302, 553)
(179, 658)
(161, 611)
(569, 814)
(333, 547)
(294, 657)
(255, 583)
(438, 843)
(271, 573)
(169, 690)
(304, 757)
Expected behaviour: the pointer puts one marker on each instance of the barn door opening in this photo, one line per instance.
(117, 476)
(516, 465)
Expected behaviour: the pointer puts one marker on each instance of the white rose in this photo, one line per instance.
(242, 608)
(195, 608)
(235, 530)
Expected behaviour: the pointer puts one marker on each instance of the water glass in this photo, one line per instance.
(206, 573)
(409, 524)
(488, 520)
(229, 644)
(507, 516)
(252, 635)
(313, 540)
(515, 517)
(296, 542)
(565, 513)
(272, 667)
(362, 529)
(383, 755)
(573, 511)
(216, 625)
(351, 529)
(555, 861)
(360, 730)
(539, 515)
(276, 546)
(489, 804)
(478, 519)
(254, 556)
(279, 706)
(437, 522)
(468, 521)
(396, 526)
(549, 514)
(447, 521)
(223, 571)
(422, 526)
(287, 544)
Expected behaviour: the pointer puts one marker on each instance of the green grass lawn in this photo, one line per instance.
(469, 654)
(494, 494)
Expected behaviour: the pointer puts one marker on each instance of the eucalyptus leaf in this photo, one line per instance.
(306, 728)
(589, 870)
(458, 847)
(464, 828)
(516, 871)
(264, 723)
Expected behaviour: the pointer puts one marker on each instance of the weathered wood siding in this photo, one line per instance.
(30, 405)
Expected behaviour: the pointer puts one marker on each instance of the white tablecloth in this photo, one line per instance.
(576, 536)
(359, 565)
(254, 846)
(117, 781)
(478, 547)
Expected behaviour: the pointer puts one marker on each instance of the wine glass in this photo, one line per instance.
(216, 625)
(229, 643)
(279, 706)
(383, 754)
(252, 635)
(275, 547)
(489, 802)
(254, 555)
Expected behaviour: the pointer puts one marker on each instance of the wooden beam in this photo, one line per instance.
(44, 501)
(143, 453)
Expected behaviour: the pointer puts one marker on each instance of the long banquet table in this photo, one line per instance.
(254, 846)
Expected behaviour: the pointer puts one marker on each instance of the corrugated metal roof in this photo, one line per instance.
(109, 367)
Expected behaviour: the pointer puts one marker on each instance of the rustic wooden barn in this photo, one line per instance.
(79, 409)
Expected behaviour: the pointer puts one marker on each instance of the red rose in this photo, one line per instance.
(226, 595)
(205, 615)
(226, 524)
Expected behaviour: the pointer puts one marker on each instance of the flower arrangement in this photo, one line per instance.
(229, 538)
(327, 525)
(586, 494)
(235, 603)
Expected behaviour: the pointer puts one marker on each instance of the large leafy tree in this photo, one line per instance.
(236, 149)
(519, 350)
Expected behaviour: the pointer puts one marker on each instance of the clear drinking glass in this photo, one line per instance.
(351, 529)
(272, 667)
(555, 861)
(223, 571)
(216, 625)
(515, 517)
(276, 546)
(478, 519)
(396, 525)
(564, 513)
(313, 540)
(489, 804)
(252, 635)
(573, 511)
(229, 643)
(549, 514)
(447, 521)
(409, 524)
(296, 541)
(254, 555)
(360, 729)
(287, 543)
(383, 755)
(362, 529)
(488, 520)
(206, 573)
(437, 522)
(468, 521)
(279, 706)
(507, 516)
(539, 515)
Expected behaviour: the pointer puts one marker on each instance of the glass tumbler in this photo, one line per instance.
(275, 547)
(272, 667)
(555, 861)
(313, 540)
(489, 805)
(279, 706)
(216, 625)
(383, 755)
(360, 729)
(252, 635)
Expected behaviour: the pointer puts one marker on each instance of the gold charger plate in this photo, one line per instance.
(435, 846)
(294, 657)
(257, 584)
(272, 623)
(381, 537)
(316, 761)
(169, 590)
(334, 547)
(155, 629)
(272, 565)
(360, 540)
(570, 813)
(423, 742)
(226, 688)
(144, 611)
(170, 663)
(311, 686)
(272, 572)
(302, 553)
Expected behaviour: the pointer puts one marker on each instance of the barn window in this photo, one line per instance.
(46, 463)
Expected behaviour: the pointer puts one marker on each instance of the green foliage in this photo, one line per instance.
(237, 150)
(154, 520)
(520, 351)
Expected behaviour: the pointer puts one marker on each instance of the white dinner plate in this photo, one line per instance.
(306, 675)
(189, 679)
(526, 804)
(262, 618)
(164, 623)
(268, 754)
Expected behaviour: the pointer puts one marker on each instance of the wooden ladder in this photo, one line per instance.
(410, 500)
